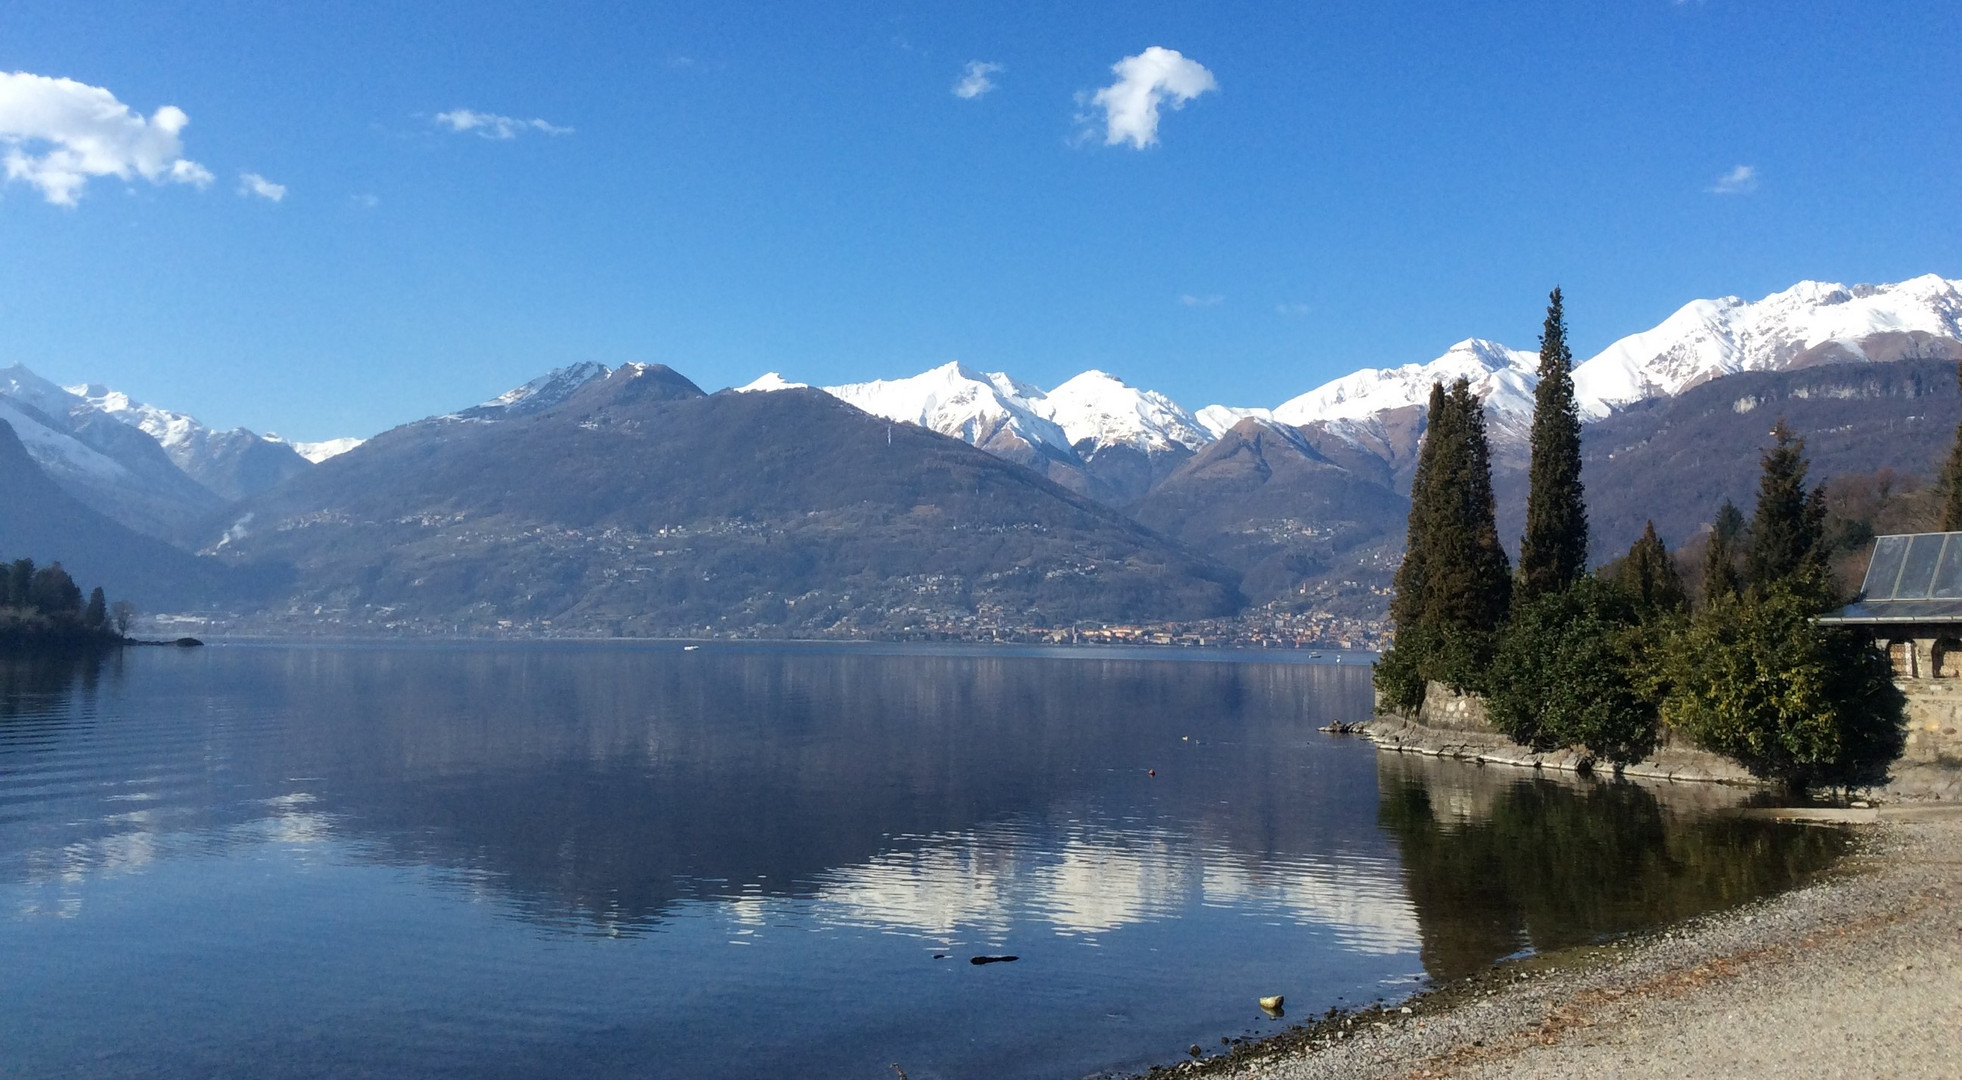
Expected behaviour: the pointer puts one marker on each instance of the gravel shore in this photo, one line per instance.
(1859, 974)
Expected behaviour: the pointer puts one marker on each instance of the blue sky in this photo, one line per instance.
(797, 187)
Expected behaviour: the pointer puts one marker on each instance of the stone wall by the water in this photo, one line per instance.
(1446, 710)
(1454, 725)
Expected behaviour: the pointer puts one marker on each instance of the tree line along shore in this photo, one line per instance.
(1613, 662)
(42, 610)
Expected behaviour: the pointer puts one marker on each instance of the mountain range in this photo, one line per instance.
(956, 494)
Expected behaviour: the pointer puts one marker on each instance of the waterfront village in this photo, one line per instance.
(1269, 627)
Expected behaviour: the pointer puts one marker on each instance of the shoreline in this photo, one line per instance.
(1674, 764)
(1856, 973)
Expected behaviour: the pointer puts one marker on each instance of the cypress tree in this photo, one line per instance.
(1470, 579)
(1553, 553)
(1952, 478)
(1788, 529)
(1720, 577)
(98, 610)
(1407, 605)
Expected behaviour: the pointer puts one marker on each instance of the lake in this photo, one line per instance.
(261, 860)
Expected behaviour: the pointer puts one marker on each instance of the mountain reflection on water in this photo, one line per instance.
(534, 860)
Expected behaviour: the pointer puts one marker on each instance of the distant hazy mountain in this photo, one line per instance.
(984, 409)
(639, 504)
(318, 452)
(1129, 439)
(625, 498)
(233, 464)
(1262, 499)
(1368, 410)
(107, 464)
(43, 522)
(537, 395)
(1811, 323)
(1676, 459)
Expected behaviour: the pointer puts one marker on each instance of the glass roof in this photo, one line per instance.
(1918, 566)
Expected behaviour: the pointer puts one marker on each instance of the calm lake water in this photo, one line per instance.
(266, 861)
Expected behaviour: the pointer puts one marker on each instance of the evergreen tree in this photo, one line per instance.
(1648, 575)
(1553, 553)
(1568, 673)
(1758, 679)
(1468, 590)
(1470, 578)
(1407, 665)
(1407, 605)
(1788, 530)
(98, 610)
(1720, 576)
(1952, 479)
(19, 576)
(1455, 585)
(53, 593)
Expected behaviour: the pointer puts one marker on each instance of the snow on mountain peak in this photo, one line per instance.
(984, 409)
(1503, 378)
(317, 452)
(539, 394)
(1107, 411)
(1220, 419)
(1810, 322)
(171, 429)
(767, 382)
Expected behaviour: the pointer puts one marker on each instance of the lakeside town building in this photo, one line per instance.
(1911, 602)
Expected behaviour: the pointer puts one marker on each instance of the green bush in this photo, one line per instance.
(1398, 676)
(1568, 674)
(1458, 657)
(1756, 679)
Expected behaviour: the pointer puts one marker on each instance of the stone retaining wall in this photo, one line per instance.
(1934, 712)
(1457, 726)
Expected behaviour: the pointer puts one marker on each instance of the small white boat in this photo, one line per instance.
(689, 648)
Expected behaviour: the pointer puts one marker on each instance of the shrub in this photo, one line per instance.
(1398, 674)
(1568, 674)
(1756, 679)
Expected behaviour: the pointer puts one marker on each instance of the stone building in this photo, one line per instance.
(1911, 602)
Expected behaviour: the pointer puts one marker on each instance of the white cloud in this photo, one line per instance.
(252, 183)
(59, 134)
(1154, 77)
(364, 201)
(1294, 308)
(493, 126)
(1737, 181)
(974, 80)
(1205, 300)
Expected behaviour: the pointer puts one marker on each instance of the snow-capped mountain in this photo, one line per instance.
(1812, 322)
(1101, 410)
(318, 452)
(1220, 419)
(113, 467)
(987, 409)
(767, 382)
(233, 463)
(1503, 378)
(541, 393)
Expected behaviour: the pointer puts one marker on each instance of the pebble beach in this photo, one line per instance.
(1857, 974)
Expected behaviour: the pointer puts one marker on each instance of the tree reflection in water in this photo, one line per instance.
(1498, 861)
